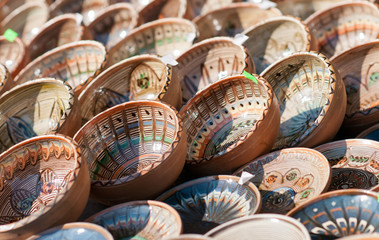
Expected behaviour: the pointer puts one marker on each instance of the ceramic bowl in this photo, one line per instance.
(261, 227)
(13, 55)
(56, 32)
(344, 26)
(190, 237)
(136, 78)
(113, 24)
(210, 60)
(140, 220)
(276, 38)
(370, 133)
(197, 8)
(207, 202)
(161, 37)
(159, 9)
(355, 163)
(360, 73)
(136, 148)
(225, 120)
(339, 213)
(137, 4)
(233, 19)
(312, 99)
(8, 6)
(366, 236)
(76, 63)
(74, 231)
(288, 177)
(26, 20)
(41, 178)
(5, 79)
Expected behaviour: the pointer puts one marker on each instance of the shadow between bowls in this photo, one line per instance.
(370, 133)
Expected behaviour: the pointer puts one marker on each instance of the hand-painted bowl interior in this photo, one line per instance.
(197, 8)
(302, 84)
(139, 220)
(342, 27)
(159, 9)
(288, 177)
(276, 38)
(12, 54)
(208, 202)
(370, 133)
(355, 163)
(33, 110)
(209, 61)
(222, 114)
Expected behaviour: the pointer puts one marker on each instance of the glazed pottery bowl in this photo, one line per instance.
(366, 236)
(355, 163)
(35, 108)
(44, 182)
(370, 133)
(136, 148)
(312, 99)
(113, 24)
(190, 237)
(344, 26)
(13, 55)
(288, 177)
(339, 213)
(276, 38)
(210, 60)
(159, 9)
(136, 78)
(140, 220)
(233, 19)
(359, 70)
(197, 8)
(26, 20)
(207, 202)
(261, 227)
(161, 37)
(74, 231)
(8, 6)
(5, 79)
(76, 63)
(230, 123)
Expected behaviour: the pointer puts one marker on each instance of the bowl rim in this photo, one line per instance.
(368, 131)
(152, 5)
(71, 181)
(348, 142)
(18, 61)
(121, 107)
(6, 77)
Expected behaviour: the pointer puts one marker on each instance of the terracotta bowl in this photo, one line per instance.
(233, 19)
(137, 4)
(159, 9)
(225, 120)
(162, 37)
(13, 55)
(355, 163)
(113, 24)
(76, 63)
(339, 213)
(207, 202)
(74, 231)
(190, 237)
(344, 26)
(197, 8)
(370, 133)
(276, 38)
(359, 70)
(136, 78)
(312, 99)
(136, 148)
(8, 6)
(56, 32)
(35, 108)
(140, 220)
(210, 60)
(26, 20)
(261, 227)
(5, 79)
(288, 177)
(41, 178)
(366, 236)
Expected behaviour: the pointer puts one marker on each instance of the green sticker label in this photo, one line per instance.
(10, 35)
(249, 76)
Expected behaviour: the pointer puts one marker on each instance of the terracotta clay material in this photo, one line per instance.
(210, 60)
(288, 177)
(197, 8)
(137, 4)
(41, 179)
(312, 99)
(8, 6)
(370, 133)
(134, 150)
(190, 237)
(38, 107)
(5, 79)
(136, 78)
(13, 55)
(365, 236)
(159, 9)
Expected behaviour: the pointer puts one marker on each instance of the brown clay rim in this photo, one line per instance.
(8, 95)
(22, 9)
(128, 179)
(153, 4)
(62, 48)
(20, 58)
(138, 203)
(56, 4)
(6, 75)
(366, 132)
(258, 217)
(342, 58)
(236, 179)
(270, 98)
(331, 92)
(71, 181)
(331, 194)
(348, 143)
(86, 225)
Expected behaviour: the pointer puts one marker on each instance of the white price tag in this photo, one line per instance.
(169, 59)
(239, 39)
(245, 177)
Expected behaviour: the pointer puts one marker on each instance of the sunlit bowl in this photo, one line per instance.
(13, 55)
(195, 9)
(5, 79)
(8, 6)
(370, 133)
(365, 236)
(159, 9)
(190, 237)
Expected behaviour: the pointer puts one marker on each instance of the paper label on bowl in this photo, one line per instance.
(169, 59)
(79, 19)
(222, 74)
(245, 177)
(240, 39)
(265, 4)
(190, 37)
